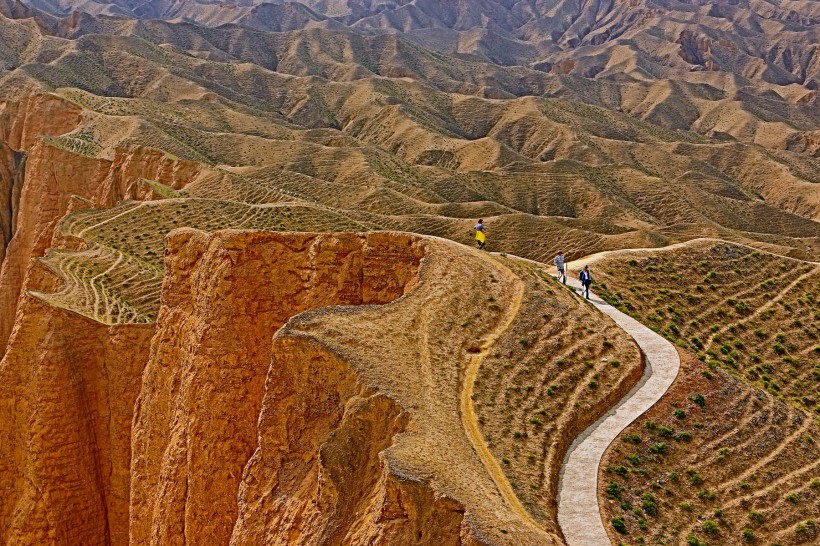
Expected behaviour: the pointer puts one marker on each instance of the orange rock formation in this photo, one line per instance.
(38, 180)
(195, 425)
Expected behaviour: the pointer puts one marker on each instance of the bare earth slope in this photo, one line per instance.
(752, 38)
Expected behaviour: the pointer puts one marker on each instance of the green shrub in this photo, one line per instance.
(710, 526)
(692, 540)
(619, 524)
(648, 504)
(756, 516)
(706, 495)
(614, 489)
(747, 535)
(699, 400)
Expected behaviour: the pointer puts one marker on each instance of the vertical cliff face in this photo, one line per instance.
(31, 198)
(23, 123)
(195, 425)
(319, 475)
(52, 176)
(130, 165)
(67, 391)
(69, 387)
(12, 164)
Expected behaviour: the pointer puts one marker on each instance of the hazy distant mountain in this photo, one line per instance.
(762, 40)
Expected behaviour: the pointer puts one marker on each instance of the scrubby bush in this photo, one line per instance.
(648, 504)
(756, 516)
(614, 489)
(699, 400)
(692, 540)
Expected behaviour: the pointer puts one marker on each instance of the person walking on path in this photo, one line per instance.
(480, 234)
(559, 263)
(586, 280)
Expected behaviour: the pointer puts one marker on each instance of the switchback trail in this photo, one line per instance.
(578, 512)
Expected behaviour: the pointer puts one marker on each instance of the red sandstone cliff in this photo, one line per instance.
(69, 388)
(37, 182)
(67, 391)
(195, 425)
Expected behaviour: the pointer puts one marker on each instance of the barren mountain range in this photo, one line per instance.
(236, 306)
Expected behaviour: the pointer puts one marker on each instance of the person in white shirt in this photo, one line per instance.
(559, 263)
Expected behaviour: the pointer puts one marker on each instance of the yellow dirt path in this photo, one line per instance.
(468, 416)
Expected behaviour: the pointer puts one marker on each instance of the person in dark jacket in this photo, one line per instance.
(586, 280)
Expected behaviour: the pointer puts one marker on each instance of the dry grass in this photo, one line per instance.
(562, 365)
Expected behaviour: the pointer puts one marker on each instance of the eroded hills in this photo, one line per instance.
(236, 307)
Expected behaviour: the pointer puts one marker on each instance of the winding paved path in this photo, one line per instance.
(578, 512)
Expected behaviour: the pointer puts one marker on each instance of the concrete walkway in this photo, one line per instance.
(578, 511)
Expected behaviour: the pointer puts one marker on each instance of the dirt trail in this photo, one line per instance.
(578, 511)
(468, 416)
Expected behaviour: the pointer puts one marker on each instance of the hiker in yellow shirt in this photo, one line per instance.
(480, 234)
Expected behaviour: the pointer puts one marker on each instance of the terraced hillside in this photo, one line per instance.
(716, 461)
(729, 455)
(752, 313)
